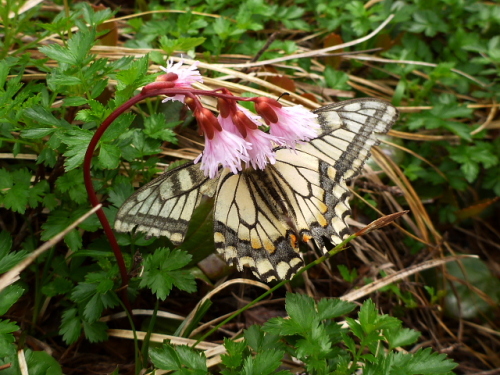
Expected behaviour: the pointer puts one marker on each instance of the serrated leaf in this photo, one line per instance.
(424, 361)
(41, 363)
(58, 286)
(264, 363)
(9, 296)
(7, 347)
(80, 44)
(301, 309)
(333, 308)
(234, 357)
(401, 336)
(109, 156)
(6, 179)
(9, 259)
(71, 326)
(191, 358)
(160, 272)
(58, 53)
(119, 193)
(283, 327)
(96, 331)
(17, 194)
(6, 326)
(41, 115)
(36, 133)
(72, 183)
(165, 358)
(5, 243)
(77, 141)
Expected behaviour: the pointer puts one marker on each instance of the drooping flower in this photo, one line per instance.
(262, 143)
(290, 124)
(222, 147)
(226, 149)
(183, 76)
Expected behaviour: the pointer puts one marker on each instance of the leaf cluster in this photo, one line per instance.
(323, 346)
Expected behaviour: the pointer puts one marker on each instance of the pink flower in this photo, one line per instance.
(290, 124)
(225, 148)
(295, 124)
(183, 76)
(261, 151)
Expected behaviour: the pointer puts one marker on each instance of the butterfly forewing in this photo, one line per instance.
(261, 215)
(164, 206)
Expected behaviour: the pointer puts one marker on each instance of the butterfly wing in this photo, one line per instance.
(260, 215)
(164, 206)
(250, 225)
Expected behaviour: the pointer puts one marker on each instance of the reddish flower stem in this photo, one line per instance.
(148, 92)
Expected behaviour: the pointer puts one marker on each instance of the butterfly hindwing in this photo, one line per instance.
(164, 206)
(250, 227)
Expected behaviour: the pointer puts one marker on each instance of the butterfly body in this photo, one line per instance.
(261, 215)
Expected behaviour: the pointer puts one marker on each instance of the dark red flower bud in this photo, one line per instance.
(158, 85)
(169, 77)
(243, 123)
(264, 107)
(207, 122)
(190, 102)
(224, 107)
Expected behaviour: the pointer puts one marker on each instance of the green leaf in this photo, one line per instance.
(42, 116)
(71, 326)
(95, 331)
(401, 336)
(264, 363)
(109, 156)
(234, 357)
(58, 53)
(77, 141)
(301, 309)
(160, 272)
(41, 363)
(165, 358)
(77, 49)
(37, 133)
(58, 286)
(7, 347)
(424, 361)
(17, 187)
(9, 296)
(156, 127)
(72, 183)
(191, 358)
(371, 321)
(9, 259)
(119, 193)
(333, 308)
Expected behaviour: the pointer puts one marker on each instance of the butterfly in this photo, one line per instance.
(260, 216)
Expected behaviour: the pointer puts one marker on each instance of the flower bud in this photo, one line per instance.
(207, 121)
(243, 123)
(264, 107)
(158, 85)
(169, 77)
(224, 107)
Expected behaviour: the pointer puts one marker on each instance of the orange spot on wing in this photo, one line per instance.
(269, 246)
(321, 220)
(306, 237)
(256, 243)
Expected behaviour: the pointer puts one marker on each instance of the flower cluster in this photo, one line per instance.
(236, 139)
